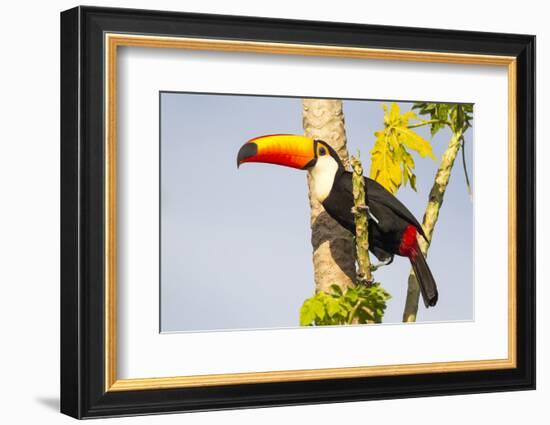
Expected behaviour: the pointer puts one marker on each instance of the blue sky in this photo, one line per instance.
(235, 244)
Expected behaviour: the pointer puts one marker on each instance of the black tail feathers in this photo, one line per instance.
(425, 279)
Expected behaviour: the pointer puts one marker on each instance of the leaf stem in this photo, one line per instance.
(428, 122)
(465, 168)
(353, 311)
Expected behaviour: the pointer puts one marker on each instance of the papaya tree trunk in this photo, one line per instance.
(333, 246)
(435, 201)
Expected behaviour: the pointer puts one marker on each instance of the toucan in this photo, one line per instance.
(393, 229)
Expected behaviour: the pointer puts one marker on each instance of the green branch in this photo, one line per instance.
(364, 274)
(435, 201)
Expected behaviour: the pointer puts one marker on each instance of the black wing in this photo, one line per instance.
(378, 193)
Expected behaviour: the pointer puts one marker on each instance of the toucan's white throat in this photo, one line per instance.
(323, 174)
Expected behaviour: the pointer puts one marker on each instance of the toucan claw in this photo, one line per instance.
(386, 262)
(364, 208)
(362, 280)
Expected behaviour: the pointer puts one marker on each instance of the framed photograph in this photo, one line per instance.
(261, 212)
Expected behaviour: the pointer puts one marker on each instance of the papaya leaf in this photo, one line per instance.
(457, 116)
(391, 163)
(416, 143)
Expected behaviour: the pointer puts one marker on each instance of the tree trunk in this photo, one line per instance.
(431, 215)
(333, 246)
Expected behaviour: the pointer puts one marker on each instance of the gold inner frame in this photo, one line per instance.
(113, 41)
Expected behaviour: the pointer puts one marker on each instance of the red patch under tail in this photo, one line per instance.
(409, 244)
(409, 248)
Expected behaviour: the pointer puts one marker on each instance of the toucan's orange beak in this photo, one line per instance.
(281, 149)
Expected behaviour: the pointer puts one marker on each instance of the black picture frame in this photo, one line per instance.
(83, 392)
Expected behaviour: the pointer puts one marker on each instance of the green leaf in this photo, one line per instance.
(318, 308)
(365, 315)
(307, 315)
(333, 307)
(336, 290)
(351, 295)
(457, 116)
(435, 127)
(442, 110)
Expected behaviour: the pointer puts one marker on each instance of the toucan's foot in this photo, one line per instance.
(386, 262)
(364, 208)
(362, 280)
(359, 209)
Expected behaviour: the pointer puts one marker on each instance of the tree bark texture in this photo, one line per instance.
(333, 246)
(435, 201)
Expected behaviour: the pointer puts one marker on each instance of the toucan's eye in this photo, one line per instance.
(322, 151)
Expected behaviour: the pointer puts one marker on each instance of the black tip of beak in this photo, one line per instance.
(247, 150)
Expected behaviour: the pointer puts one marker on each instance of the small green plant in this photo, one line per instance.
(356, 305)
